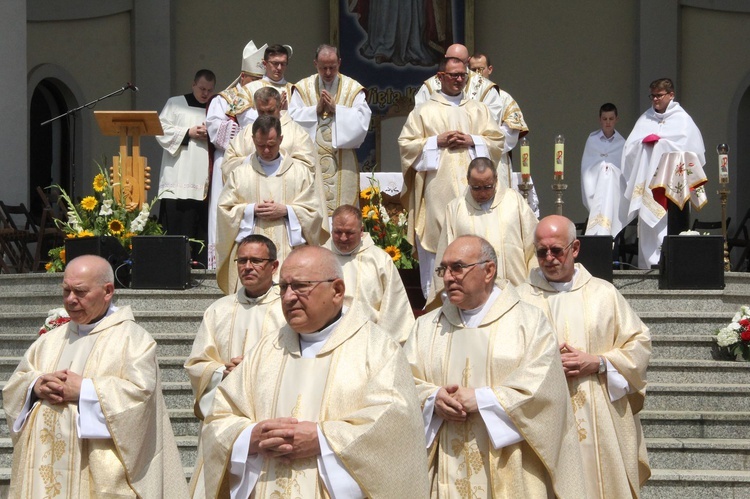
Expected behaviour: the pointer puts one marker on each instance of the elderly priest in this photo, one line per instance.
(85, 406)
(326, 407)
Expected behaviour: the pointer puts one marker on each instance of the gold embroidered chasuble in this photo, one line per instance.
(373, 282)
(515, 353)
(508, 225)
(141, 459)
(368, 411)
(296, 143)
(293, 185)
(339, 167)
(595, 318)
(427, 192)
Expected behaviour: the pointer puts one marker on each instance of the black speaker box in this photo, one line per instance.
(107, 247)
(160, 262)
(692, 262)
(596, 255)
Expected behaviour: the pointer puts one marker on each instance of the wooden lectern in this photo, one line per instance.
(130, 171)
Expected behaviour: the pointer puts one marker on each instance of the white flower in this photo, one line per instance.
(727, 337)
(734, 326)
(106, 209)
(402, 219)
(384, 215)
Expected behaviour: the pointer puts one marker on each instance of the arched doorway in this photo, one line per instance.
(49, 145)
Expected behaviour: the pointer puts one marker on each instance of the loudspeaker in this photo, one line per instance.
(596, 255)
(692, 262)
(160, 262)
(107, 247)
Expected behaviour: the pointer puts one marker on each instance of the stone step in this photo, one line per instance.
(42, 282)
(662, 370)
(187, 445)
(660, 323)
(696, 397)
(682, 346)
(697, 484)
(649, 280)
(695, 424)
(669, 301)
(699, 453)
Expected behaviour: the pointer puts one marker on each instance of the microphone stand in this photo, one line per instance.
(72, 115)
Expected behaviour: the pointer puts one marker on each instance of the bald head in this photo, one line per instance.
(458, 51)
(555, 225)
(555, 239)
(88, 288)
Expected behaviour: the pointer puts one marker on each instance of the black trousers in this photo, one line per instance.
(187, 217)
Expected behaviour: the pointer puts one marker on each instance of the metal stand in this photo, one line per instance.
(525, 187)
(724, 193)
(559, 187)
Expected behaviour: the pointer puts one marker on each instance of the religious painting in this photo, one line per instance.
(391, 47)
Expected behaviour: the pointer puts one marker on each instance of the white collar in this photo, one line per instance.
(453, 99)
(561, 287)
(474, 317)
(85, 329)
(311, 343)
(271, 167)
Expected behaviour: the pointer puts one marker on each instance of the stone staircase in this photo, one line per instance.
(696, 418)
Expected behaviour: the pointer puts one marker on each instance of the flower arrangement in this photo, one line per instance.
(102, 215)
(55, 318)
(733, 340)
(387, 229)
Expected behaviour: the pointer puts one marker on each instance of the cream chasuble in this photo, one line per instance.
(595, 318)
(368, 411)
(426, 192)
(140, 458)
(373, 282)
(508, 224)
(336, 137)
(514, 352)
(293, 185)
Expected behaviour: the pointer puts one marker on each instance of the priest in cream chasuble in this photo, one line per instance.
(326, 407)
(274, 195)
(372, 279)
(104, 432)
(333, 109)
(496, 213)
(497, 417)
(605, 350)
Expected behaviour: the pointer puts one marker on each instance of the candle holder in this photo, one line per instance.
(559, 188)
(525, 187)
(723, 195)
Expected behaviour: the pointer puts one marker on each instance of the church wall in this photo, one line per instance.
(96, 53)
(560, 64)
(715, 68)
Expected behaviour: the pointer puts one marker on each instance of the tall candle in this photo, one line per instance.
(525, 160)
(723, 151)
(559, 156)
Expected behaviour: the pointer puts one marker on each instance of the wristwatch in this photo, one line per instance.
(602, 365)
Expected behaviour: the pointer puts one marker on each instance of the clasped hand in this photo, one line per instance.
(576, 362)
(455, 140)
(270, 210)
(285, 438)
(58, 387)
(455, 403)
(326, 104)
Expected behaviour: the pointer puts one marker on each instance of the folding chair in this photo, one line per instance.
(740, 240)
(47, 230)
(19, 239)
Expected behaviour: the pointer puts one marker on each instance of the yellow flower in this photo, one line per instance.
(116, 227)
(369, 193)
(85, 233)
(62, 256)
(370, 212)
(99, 183)
(71, 236)
(48, 266)
(394, 252)
(89, 203)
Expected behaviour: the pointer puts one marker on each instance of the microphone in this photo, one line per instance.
(130, 86)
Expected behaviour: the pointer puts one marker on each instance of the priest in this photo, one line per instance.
(372, 279)
(437, 143)
(497, 417)
(326, 407)
(85, 407)
(274, 195)
(605, 349)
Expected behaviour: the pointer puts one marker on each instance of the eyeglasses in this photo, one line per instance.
(555, 251)
(456, 269)
(657, 96)
(279, 64)
(479, 70)
(482, 187)
(457, 76)
(301, 288)
(255, 262)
